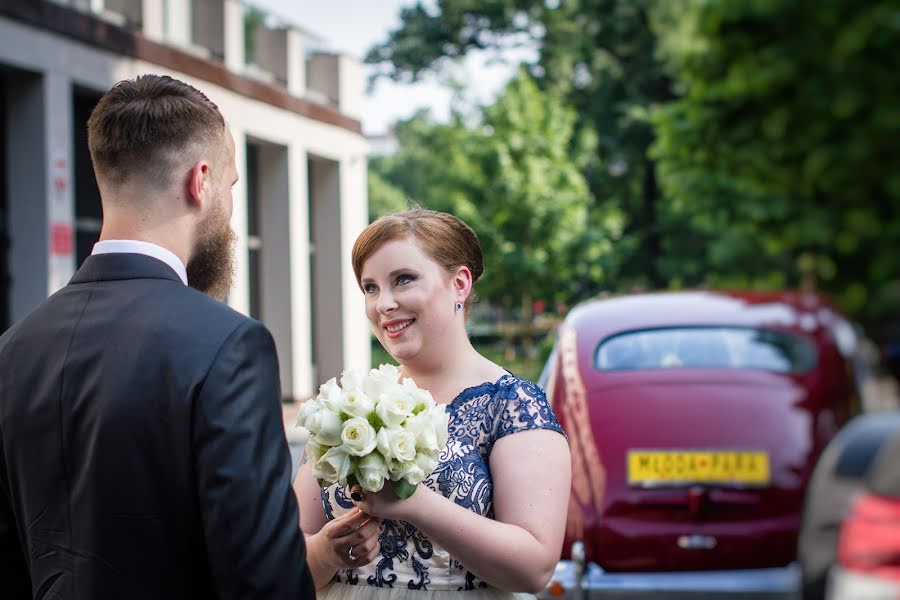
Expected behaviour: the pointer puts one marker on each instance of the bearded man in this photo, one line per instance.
(142, 452)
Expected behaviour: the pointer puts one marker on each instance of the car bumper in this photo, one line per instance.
(773, 583)
(844, 584)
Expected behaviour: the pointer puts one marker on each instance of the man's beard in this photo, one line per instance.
(210, 268)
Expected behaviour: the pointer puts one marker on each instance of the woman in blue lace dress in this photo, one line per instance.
(489, 521)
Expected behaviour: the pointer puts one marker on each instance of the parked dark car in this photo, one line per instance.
(695, 420)
(845, 490)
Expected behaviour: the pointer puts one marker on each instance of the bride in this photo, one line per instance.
(489, 521)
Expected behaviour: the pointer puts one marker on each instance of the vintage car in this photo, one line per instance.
(694, 420)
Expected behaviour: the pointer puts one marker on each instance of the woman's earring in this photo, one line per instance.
(458, 306)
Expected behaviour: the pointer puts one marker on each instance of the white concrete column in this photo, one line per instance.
(58, 182)
(178, 22)
(350, 86)
(304, 382)
(274, 195)
(239, 296)
(153, 20)
(234, 36)
(357, 347)
(296, 63)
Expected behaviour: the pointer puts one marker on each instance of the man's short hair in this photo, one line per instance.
(149, 127)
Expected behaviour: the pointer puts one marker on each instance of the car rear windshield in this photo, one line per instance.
(706, 347)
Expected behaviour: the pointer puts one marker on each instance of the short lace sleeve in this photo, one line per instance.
(521, 405)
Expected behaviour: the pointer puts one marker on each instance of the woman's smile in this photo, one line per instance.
(396, 327)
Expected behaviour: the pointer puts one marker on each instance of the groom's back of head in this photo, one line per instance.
(149, 131)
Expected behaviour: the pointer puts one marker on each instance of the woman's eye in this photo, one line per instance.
(404, 279)
(369, 288)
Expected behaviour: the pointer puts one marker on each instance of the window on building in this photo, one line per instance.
(88, 212)
(254, 235)
(5, 283)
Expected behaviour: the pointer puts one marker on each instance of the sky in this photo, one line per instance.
(353, 26)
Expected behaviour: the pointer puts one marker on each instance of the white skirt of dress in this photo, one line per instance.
(343, 591)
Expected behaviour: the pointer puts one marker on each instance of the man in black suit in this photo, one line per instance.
(142, 451)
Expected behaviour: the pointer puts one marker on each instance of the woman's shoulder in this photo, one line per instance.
(521, 405)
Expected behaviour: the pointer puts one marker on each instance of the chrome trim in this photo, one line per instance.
(782, 580)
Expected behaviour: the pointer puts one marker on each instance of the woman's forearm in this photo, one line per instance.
(506, 556)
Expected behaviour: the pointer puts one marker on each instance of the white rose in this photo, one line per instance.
(358, 436)
(358, 404)
(411, 471)
(422, 399)
(381, 380)
(421, 428)
(326, 426)
(305, 410)
(351, 379)
(333, 467)
(427, 462)
(331, 396)
(314, 451)
(371, 472)
(396, 444)
(394, 407)
(430, 428)
(440, 421)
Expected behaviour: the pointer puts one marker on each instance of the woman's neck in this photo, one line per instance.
(452, 372)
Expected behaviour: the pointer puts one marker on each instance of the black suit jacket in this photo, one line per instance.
(142, 451)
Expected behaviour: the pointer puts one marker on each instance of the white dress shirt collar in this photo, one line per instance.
(146, 248)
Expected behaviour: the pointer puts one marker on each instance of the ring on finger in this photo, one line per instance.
(350, 553)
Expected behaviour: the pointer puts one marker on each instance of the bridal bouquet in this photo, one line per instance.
(373, 428)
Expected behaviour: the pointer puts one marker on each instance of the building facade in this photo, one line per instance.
(294, 114)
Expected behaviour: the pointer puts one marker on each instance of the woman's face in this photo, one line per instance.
(410, 299)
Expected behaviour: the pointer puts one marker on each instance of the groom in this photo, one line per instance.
(142, 451)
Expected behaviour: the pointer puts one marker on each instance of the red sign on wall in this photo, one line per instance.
(61, 239)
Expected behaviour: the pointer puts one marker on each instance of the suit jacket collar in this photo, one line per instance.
(110, 267)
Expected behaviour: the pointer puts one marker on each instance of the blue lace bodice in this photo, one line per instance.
(479, 416)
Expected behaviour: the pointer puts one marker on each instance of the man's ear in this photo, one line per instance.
(198, 181)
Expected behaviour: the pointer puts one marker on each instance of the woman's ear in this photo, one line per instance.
(462, 283)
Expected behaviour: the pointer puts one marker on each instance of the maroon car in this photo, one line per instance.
(695, 420)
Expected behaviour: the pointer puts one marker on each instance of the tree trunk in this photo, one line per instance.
(651, 219)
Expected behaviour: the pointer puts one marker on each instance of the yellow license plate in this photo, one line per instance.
(650, 468)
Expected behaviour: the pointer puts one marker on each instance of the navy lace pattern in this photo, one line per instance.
(479, 416)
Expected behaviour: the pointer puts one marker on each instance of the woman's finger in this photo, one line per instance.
(349, 522)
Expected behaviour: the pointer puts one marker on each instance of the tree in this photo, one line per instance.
(598, 56)
(510, 174)
(785, 140)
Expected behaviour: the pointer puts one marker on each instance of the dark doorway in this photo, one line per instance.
(5, 280)
(254, 234)
(88, 212)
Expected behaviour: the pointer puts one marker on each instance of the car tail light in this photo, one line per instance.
(870, 537)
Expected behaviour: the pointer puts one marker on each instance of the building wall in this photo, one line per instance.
(42, 70)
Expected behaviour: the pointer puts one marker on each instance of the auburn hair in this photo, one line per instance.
(447, 240)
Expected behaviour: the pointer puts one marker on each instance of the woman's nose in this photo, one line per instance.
(386, 302)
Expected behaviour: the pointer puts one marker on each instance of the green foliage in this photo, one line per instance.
(254, 18)
(512, 177)
(667, 143)
(384, 198)
(785, 139)
(402, 488)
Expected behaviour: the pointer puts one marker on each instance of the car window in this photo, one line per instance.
(705, 347)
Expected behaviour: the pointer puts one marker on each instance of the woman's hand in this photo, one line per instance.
(349, 541)
(386, 504)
